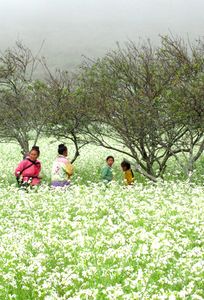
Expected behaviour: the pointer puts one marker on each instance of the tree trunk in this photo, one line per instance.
(24, 143)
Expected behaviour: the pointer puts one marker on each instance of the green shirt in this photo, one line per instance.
(107, 173)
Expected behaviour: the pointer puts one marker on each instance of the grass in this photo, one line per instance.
(98, 242)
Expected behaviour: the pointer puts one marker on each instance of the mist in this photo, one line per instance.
(71, 29)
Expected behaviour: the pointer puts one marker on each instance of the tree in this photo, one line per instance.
(68, 110)
(23, 100)
(129, 89)
(185, 100)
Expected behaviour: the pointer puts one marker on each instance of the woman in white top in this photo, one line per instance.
(62, 169)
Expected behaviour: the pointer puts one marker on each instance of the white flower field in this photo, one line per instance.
(96, 242)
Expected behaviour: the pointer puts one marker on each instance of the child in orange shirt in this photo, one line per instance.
(128, 173)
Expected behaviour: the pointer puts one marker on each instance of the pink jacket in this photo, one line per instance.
(29, 169)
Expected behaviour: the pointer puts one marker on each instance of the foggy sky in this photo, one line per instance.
(72, 28)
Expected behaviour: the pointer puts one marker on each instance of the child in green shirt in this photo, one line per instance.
(106, 173)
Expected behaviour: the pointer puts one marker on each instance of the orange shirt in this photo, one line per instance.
(128, 177)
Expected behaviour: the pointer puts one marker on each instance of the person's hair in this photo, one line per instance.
(36, 148)
(110, 156)
(62, 148)
(126, 164)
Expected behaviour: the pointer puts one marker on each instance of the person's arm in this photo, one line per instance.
(69, 169)
(104, 173)
(19, 168)
(38, 169)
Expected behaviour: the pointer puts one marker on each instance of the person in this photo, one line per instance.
(62, 169)
(107, 171)
(128, 173)
(28, 170)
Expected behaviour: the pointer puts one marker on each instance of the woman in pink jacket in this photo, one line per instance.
(27, 171)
